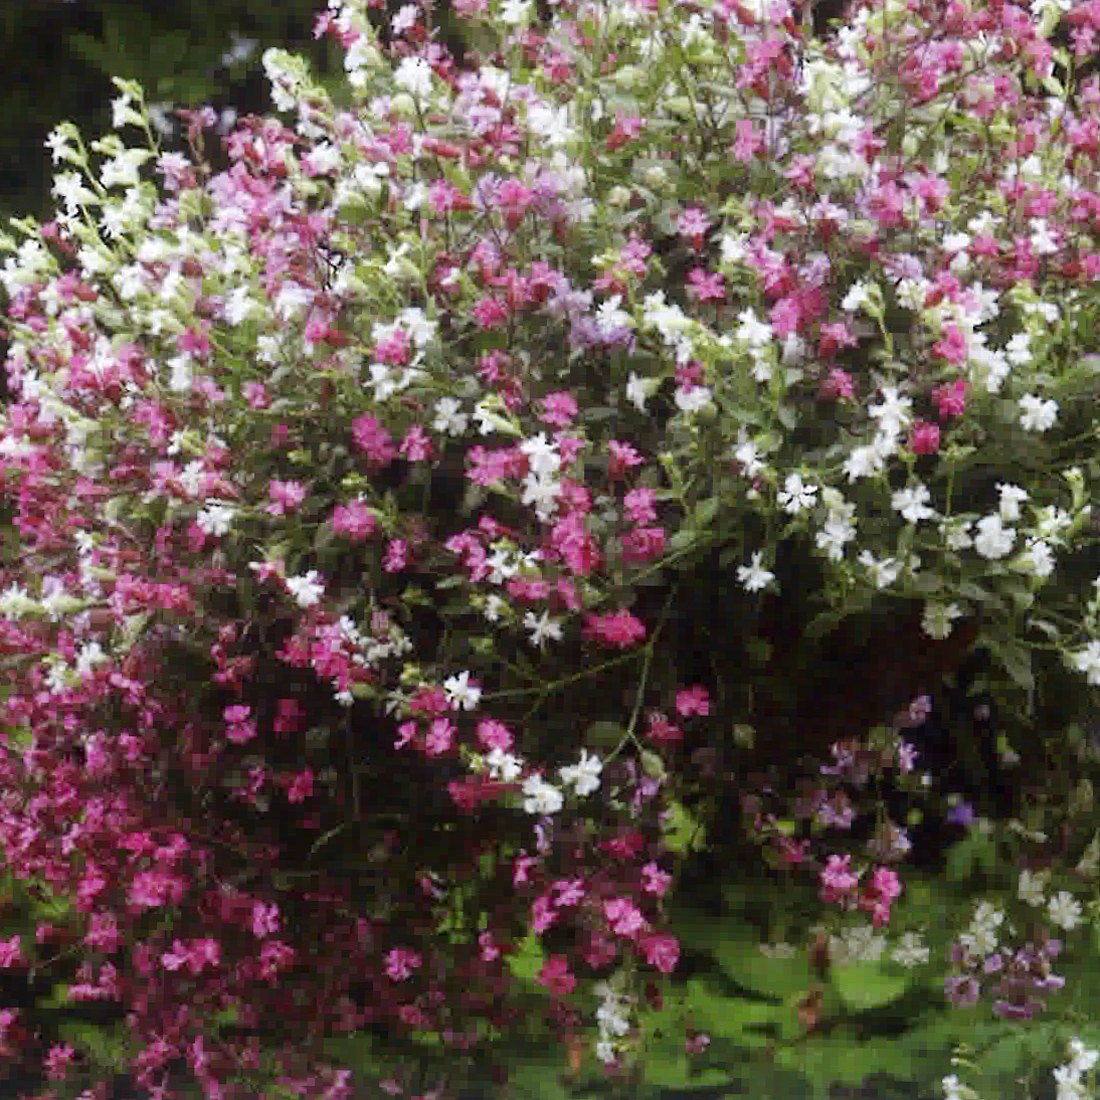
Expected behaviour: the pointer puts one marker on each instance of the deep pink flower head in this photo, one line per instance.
(926, 438)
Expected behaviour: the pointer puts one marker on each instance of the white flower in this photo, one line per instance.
(755, 333)
(542, 628)
(1012, 496)
(448, 417)
(883, 573)
(609, 318)
(414, 75)
(503, 765)
(543, 493)
(910, 951)
(542, 797)
(856, 298)
(795, 495)
(216, 519)
(754, 576)
(640, 390)
(994, 540)
(868, 460)
(1037, 559)
(893, 413)
(1083, 1058)
(1018, 349)
(460, 692)
(15, 603)
(1032, 886)
(956, 533)
(585, 776)
(836, 533)
(90, 655)
(749, 457)
(698, 397)
(937, 619)
(307, 590)
(542, 457)
(912, 503)
(1037, 415)
(981, 937)
(1064, 911)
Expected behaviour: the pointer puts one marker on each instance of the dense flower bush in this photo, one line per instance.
(356, 485)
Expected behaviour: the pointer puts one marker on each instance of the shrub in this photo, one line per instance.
(352, 505)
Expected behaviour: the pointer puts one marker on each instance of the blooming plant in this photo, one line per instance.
(345, 478)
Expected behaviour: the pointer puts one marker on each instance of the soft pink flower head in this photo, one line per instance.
(951, 398)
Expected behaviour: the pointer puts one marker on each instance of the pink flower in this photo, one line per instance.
(661, 731)
(354, 520)
(693, 223)
(663, 952)
(494, 735)
(624, 917)
(642, 544)
(926, 438)
(286, 496)
(396, 556)
(301, 786)
(951, 399)
(694, 700)
(639, 504)
(656, 881)
(370, 436)
(440, 737)
(619, 630)
(58, 1060)
(706, 286)
(265, 919)
(10, 953)
(952, 345)
(748, 142)
(490, 313)
(558, 408)
(555, 975)
(837, 880)
(400, 963)
(836, 384)
(622, 456)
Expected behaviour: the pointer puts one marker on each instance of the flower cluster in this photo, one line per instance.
(404, 413)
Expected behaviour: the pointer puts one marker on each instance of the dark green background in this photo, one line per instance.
(57, 58)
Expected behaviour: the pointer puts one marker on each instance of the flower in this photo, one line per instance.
(585, 776)
(1011, 498)
(912, 503)
(1087, 661)
(1037, 415)
(1031, 886)
(541, 797)
(795, 496)
(307, 590)
(937, 618)
(461, 693)
(754, 577)
(1064, 910)
(993, 540)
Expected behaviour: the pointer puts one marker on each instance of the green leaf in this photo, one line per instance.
(106, 1047)
(683, 833)
(526, 961)
(604, 735)
(867, 985)
(743, 961)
